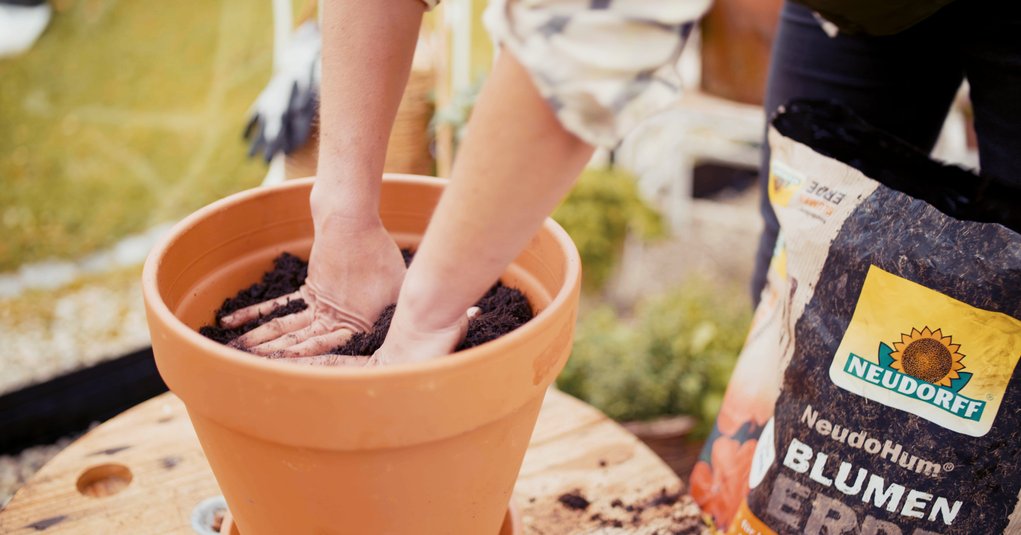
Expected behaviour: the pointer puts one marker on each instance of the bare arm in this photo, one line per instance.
(514, 166)
(367, 53)
(355, 268)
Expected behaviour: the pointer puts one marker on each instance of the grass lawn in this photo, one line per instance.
(126, 114)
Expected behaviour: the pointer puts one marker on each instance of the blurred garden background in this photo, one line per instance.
(126, 116)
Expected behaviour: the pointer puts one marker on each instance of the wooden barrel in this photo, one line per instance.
(737, 36)
(408, 148)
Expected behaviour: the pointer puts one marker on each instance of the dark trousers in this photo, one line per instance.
(905, 84)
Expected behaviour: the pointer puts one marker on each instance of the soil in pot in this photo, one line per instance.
(502, 309)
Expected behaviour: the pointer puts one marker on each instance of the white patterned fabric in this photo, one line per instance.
(603, 65)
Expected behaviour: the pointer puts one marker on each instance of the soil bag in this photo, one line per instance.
(879, 391)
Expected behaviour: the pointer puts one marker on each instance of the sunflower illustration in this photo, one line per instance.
(929, 356)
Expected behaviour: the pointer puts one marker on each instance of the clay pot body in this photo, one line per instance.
(425, 448)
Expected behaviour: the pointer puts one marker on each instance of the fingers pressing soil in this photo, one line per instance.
(502, 309)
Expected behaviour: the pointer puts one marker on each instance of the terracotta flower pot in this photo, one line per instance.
(424, 448)
(510, 526)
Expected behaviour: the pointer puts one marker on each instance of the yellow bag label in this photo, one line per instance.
(914, 349)
(784, 182)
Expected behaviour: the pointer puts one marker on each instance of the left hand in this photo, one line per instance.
(409, 340)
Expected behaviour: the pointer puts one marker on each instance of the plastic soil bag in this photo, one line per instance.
(878, 391)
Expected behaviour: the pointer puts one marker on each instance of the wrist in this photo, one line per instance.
(350, 202)
(417, 333)
(429, 306)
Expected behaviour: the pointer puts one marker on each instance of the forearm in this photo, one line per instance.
(366, 56)
(514, 166)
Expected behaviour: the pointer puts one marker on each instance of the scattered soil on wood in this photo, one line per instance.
(574, 500)
(664, 513)
(502, 309)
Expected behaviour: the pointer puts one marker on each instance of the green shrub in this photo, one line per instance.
(598, 213)
(674, 356)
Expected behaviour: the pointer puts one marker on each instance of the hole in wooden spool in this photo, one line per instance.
(104, 480)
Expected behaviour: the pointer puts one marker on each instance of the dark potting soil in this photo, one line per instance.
(574, 500)
(685, 517)
(502, 309)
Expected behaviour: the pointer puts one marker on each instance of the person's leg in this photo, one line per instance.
(903, 84)
(992, 60)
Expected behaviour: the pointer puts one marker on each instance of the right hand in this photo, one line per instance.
(355, 270)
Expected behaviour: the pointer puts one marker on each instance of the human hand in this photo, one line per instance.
(355, 270)
(403, 346)
(417, 339)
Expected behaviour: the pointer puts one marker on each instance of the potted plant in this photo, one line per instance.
(424, 448)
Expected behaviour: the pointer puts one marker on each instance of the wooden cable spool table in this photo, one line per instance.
(143, 472)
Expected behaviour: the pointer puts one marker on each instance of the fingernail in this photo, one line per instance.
(474, 311)
(227, 319)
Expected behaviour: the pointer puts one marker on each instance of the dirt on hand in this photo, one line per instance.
(502, 309)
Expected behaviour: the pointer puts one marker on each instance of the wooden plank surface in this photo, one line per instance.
(574, 450)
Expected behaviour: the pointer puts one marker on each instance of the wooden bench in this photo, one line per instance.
(143, 472)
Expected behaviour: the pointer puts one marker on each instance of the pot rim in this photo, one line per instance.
(157, 306)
